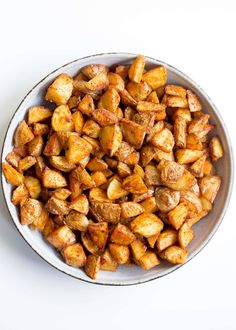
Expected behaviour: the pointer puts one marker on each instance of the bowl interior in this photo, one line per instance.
(204, 230)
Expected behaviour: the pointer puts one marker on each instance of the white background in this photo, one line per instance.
(198, 37)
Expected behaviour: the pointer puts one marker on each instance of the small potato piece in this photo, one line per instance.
(122, 71)
(104, 117)
(216, 150)
(152, 97)
(109, 100)
(151, 176)
(209, 187)
(88, 243)
(145, 119)
(145, 106)
(120, 253)
(123, 170)
(23, 134)
(187, 156)
(127, 99)
(33, 185)
(62, 119)
(74, 255)
(93, 70)
(35, 146)
(85, 178)
(12, 175)
(139, 91)
(13, 159)
(61, 163)
(116, 82)
(175, 90)
(86, 105)
(107, 262)
(19, 194)
(91, 128)
(92, 266)
(193, 202)
(136, 69)
(98, 195)
(156, 77)
(26, 163)
(78, 120)
(78, 149)
(152, 240)
(80, 204)
(178, 215)
(61, 237)
(97, 164)
(159, 155)
(97, 83)
(115, 190)
(149, 205)
(146, 224)
(39, 166)
(103, 211)
(193, 142)
(197, 168)
(57, 206)
(196, 218)
(73, 102)
(60, 90)
(206, 205)
(53, 179)
(138, 249)
(148, 260)
(99, 178)
(166, 198)
(110, 139)
(62, 193)
(30, 210)
(38, 114)
(132, 159)
(131, 209)
(184, 114)
(133, 133)
(139, 170)
(147, 153)
(124, 151)
(208, 168)
(177, 102)
(193, 102)
(40, 129)
(167, 237)
(49, 227)
(77, 221)
(174, 254)
(134, 184)
(140, 197)
(53, 146)
(185, 235)
(180, 132)
(196, 126)
(122, 235)
(163, 140)
(99, 233)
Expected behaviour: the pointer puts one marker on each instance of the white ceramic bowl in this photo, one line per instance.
(204, 230)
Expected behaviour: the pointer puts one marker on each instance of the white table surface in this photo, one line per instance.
(198, 37)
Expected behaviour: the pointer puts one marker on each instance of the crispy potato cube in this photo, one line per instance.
(62, 119)
(74, 255)
(129, 113)
(152, 240)
(109, 100)
(80, 204)
(185, 235)
(146, 224)
(57, 206)
(38, 114)
(147, 153)
(78, 120)
(180, 132)
(49, 227)
(134, 184)
(104, 211)
(120, 253)
(151, 176)
(133, 133)
(40, 222)
(145, 119)
(196, 126)
(163, 140)
(77, 221)
(39, 166)
(216, 150)
(139, 91)
(174, 254)
(91, 128)
(92, 266)
(78, 149)
(122, 71)
(178, 215)
(138, 249)
(98, 195)
(209, 187)
(86, 105)
(61, 237)
(166, 198)
(167, 237)
(149, 205)
(158, 127)
(61, 193)
(35, 146)
(197, 168)
(30, 210)
(122, 235)
(193, 102)
(110, 139)
(177, 102)
(175, 90)
(140, 197)
(139, 170)
(23, 134)
(60, 90)
(124, 151)
(193, 202)
(136, 69)
(26, 163)
(53, 179)
(107, 262)
(183, 114)
(97, 83)
(116, 81)
(99, 178)
(73, 102)
(156, 77)
(123, 170)
(193, 142)
(40, 129)
(115, 190)
(186, 156)
(206, 204)
(13, 159)
(93, 70)
(130, 209)
(160, 154)
(61, 163)
(33, 186)
(99, 233)
(12, 175)
(127, 99)
(88, 243)
(148, 260)
(208, 168)
(19, 194)
(152, 97)
(97, 164)
(53, 146)
(132, 159)
(145, 106)
(85, 178)
(104, 117)
(196, 218)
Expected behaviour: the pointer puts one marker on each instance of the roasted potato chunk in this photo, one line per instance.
(120, 253)
(175, 90)
(12, 175)
(93, 70)
(78, 120)
(35, 146)
(116, 81)
(180, 132)
(99, 233)
(216, 150)
(156, 77)
(136, 69)
(13, 159)
(109, 212)
(86, 105)
(163, 140)
(209, 186)
(78, 149)
(150, 205)
(148, 260)
(139, 91)
(178, 215)
(40, 129)
(167, 237)
(19, 194)
(193, 102)
(33, 186)
(133, 133)
(77, 221)
(30, 210)
(53, 179)
(174, 254)
(186, 156)
(110, 139)
(53, 146)
(185, 235)
(62, 193)
(166, 199)
(134, 184)
(131, 209)
(146, 224)
(62, 119)
(61, 163)
(26, 163)
(197, 168)
(122, 235)
(74, 255)
(104, 117)
(60, 90)
(61, 237)
(115, 190)
(92, 266)
(57, 206)
(138, 249)
(107, 262)
(23, 134)
(38, 114)
(109, 100)
(151, 176)
(177, 102)
(80, 204)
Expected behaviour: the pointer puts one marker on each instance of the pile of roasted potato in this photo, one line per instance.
(115, 168)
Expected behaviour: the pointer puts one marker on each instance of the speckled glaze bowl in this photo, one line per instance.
(204, 230)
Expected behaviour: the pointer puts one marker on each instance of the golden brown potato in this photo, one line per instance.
(159, 155)
(53, 179)
(216, 150)
(132, 159)
(149, 205)
(156, 77)
(139, 91)
(174, 254)
(139, 170)
(196, 218)
(206, 204)
(80, 204)
(86, 105)
(73, 102)
(152, 97)
(61, 163)
(180, 132)
(30, 210)
(151, 176)
(57, 206)
(152, 240)
(104, 211)
(123, 170)
(40, 129)
(61, 237)
(116, 81)
(122, 235)
(97, 83)
(146, 224)
(136, 69)
(133, 133)
(186, 156)
(62, 119)
(19, 194)
(74, 255)
(13, 159)
(183, 114)
(61, 193)
(134, 184)
(115, 190)
(193, 142)
(78, 149)
(145, 119)
(193, 202)
(39, 166)
(38, 114)
(110, 139)
(167, 237)
(23, 134)
(175, 90)
(178, 215)
(138, 249)
(88, 243)
(93, 70)
(130, 209)
(122, 71)
(109, 100)
(99, 233)
(127, 99)
(177, 102)
(120, 253)
(26, 163)
(159, 109)
(163, 140)
(208, 168)
(49, 227)
(98, 195)
(97, 164)
(107, 262)
(124, 151)
(77, 221)
(12, 175)
(92, 266)
(193, 102)
(140, 197)
(35, 146)
(148, 260)
(91, 128)
(104, 117)
(78, 120)
(185, 235)
(197, 125)
(85, 178)
(99, 178)
(53, 146)
(158, 127)
(33, 186)
(209, 186)
(166, 198)
(197, 168)
(60, 90)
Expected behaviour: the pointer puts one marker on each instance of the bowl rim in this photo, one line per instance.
(228, 142)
